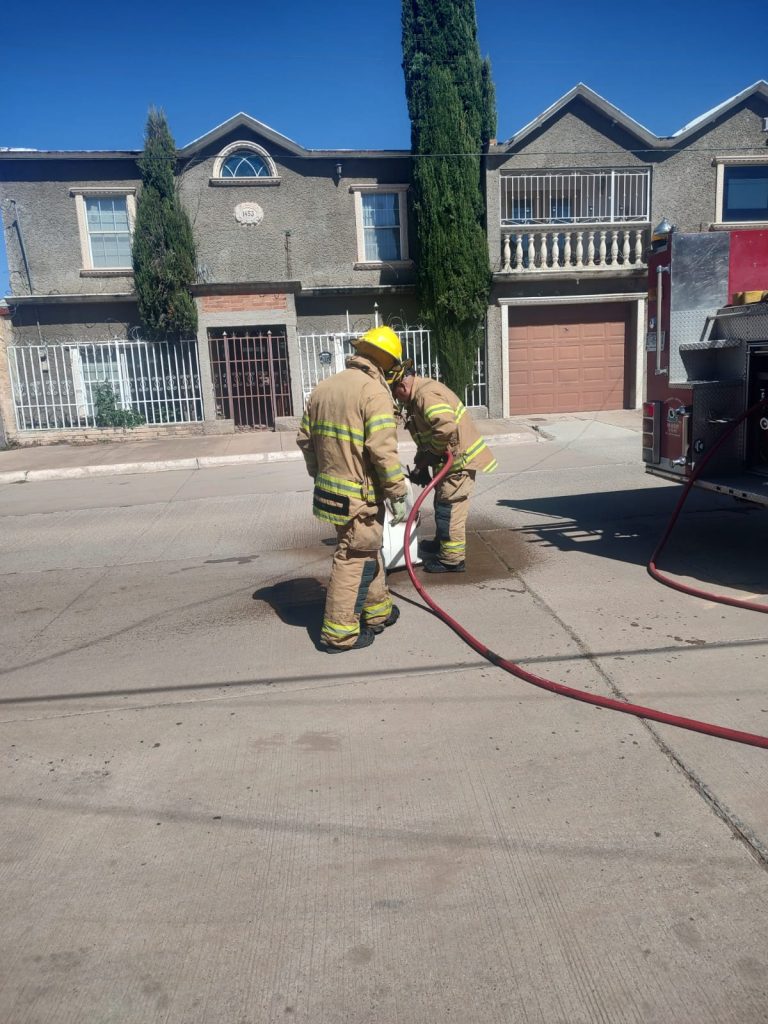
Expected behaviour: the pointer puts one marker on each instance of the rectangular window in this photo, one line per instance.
(105, 219)
(109, 235)
(381, 217)
(381, 226)
(745, 193)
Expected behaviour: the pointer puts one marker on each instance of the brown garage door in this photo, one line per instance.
(568, 358)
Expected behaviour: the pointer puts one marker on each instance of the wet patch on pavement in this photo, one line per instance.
(319, 741)
(491, 555)
(240, 559)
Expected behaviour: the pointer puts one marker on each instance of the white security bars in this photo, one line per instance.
(66, 386)
(324, 354)
(576, 197)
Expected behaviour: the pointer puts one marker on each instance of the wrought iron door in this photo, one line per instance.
(251, 375)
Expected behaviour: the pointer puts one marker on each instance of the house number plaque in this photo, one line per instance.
(249, 213)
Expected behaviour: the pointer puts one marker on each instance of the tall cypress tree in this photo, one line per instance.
(164, 261)
(452, 110)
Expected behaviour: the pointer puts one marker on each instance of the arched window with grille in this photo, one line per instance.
(246, 162)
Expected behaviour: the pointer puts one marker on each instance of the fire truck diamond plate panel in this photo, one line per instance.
(686, 328)
(745, 323)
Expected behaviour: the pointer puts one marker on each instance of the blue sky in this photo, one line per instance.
(328, 75)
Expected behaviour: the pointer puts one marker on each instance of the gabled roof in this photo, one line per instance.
(242, 120)
(759, 88)
(595, 100)
(579, 92)
(617, 116)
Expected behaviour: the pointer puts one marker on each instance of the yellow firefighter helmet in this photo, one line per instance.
(384, 339)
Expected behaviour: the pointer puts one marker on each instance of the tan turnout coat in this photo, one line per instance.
(348, 439)
(438, 420)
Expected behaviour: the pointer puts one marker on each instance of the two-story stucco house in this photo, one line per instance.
(298, 249)
(571, 200)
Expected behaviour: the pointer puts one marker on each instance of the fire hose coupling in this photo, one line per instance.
(679, 412)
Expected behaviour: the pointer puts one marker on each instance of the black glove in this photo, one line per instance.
(424, 459)
(419, 475)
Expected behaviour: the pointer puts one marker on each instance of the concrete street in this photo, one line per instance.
(205, 820)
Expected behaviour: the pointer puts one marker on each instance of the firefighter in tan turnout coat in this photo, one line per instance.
(348, 438)
(438, 421)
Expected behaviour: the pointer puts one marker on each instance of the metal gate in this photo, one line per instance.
(251, 377)
(55, 386)
(323, 354)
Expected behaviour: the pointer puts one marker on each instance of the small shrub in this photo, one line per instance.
(107, 413)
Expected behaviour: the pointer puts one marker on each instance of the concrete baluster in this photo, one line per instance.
(543, 254)
(519, 252)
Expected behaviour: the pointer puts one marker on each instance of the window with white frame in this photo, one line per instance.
(244, 163)
(382, 223)
(105, 219)
(742, 190)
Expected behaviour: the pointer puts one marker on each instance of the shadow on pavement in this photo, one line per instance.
(298, 602)
(716, 540)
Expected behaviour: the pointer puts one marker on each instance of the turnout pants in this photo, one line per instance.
(357, 588)
(451, 511)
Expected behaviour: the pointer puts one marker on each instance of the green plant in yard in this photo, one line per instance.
(106, 411)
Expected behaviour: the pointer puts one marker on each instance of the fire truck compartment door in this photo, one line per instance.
(757, 444)
(715, 406)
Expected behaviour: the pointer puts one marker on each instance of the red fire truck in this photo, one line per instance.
(707, 360)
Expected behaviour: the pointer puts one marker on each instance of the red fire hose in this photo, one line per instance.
(547, 684)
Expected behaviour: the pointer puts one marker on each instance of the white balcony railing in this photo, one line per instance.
(588, 247)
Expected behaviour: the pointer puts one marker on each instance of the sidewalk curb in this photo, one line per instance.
(24, 476)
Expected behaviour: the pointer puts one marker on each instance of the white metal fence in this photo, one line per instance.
(61, 386)
(323, 354)
(576, 197)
